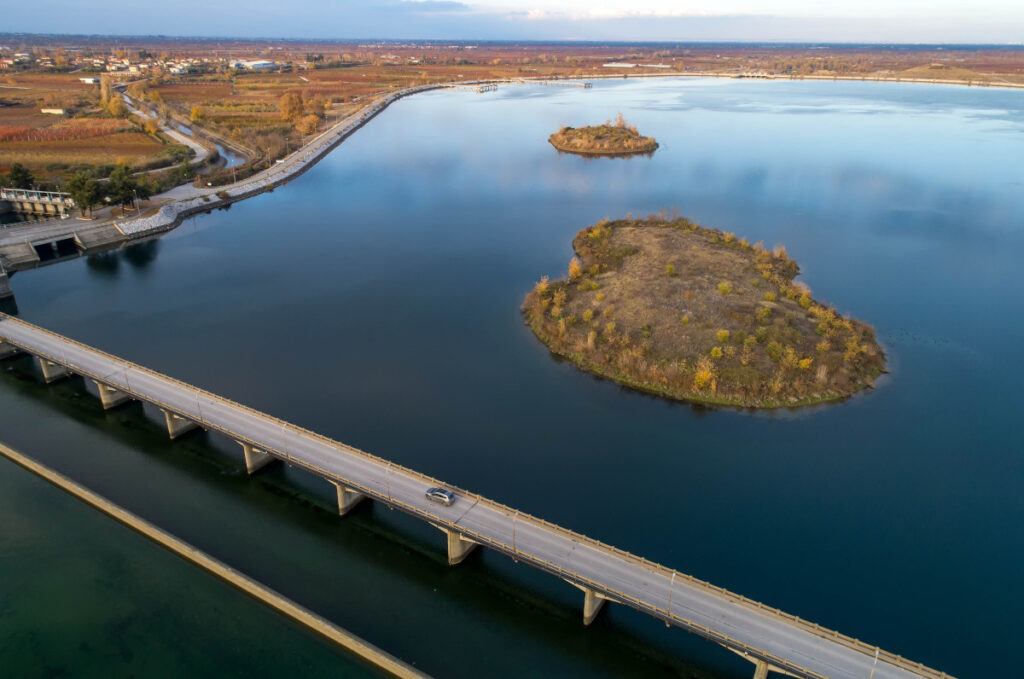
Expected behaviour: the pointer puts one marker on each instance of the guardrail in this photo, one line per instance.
(389, 467)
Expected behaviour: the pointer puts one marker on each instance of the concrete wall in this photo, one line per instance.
(5, 207)
(31, 207)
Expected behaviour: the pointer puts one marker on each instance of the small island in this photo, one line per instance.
(666, 306)
(611, 139)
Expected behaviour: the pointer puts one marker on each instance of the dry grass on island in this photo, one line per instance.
(611, 139)
(666, 306)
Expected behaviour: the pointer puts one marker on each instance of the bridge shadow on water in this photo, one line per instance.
(107, 264)
(9, 306)
(281, 527)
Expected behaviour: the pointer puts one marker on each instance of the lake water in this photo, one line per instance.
(375, 300)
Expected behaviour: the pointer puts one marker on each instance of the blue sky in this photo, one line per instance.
(991, 21)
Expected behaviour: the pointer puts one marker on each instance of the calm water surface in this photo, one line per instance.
(375, 299)
(85, 596)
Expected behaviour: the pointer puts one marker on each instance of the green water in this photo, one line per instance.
(84, 595)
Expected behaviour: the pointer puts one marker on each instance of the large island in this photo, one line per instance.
(611, 139)
(666, 306)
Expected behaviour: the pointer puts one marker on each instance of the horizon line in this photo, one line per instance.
(554, 41)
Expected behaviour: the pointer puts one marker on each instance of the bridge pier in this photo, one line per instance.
(592, 605)
(593, 602)
(52, 371)
(761, 667)
(347, 498)
(110, 397)
(255, 459)
(177, 425)
(459, 547)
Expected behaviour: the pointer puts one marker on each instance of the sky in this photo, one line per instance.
(906, 21)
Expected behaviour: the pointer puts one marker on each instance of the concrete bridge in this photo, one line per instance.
(769, 638)
(36, 202)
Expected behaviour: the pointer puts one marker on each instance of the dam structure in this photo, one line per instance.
(772, 640)
(30, 201)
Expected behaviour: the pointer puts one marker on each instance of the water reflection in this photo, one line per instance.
(8, 305)
(141, 255)
(104, 264)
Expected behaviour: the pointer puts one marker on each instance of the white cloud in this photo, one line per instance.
(583, 10)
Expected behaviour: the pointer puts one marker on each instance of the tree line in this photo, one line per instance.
(121, 188)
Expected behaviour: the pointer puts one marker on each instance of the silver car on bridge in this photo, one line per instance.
(442, 495)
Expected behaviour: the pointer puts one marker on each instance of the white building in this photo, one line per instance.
(254, 65)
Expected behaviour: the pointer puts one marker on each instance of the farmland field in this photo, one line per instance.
(101, 150)
(53, 146)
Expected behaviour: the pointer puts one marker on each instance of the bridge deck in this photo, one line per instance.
(785, 642)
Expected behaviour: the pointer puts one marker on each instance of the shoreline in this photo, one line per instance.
(597, 154)
(305, 617)
(726, 75)
(694, 399)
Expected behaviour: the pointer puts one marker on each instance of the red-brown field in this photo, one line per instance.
(60, 155)
(71, 130)
(53, 146)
